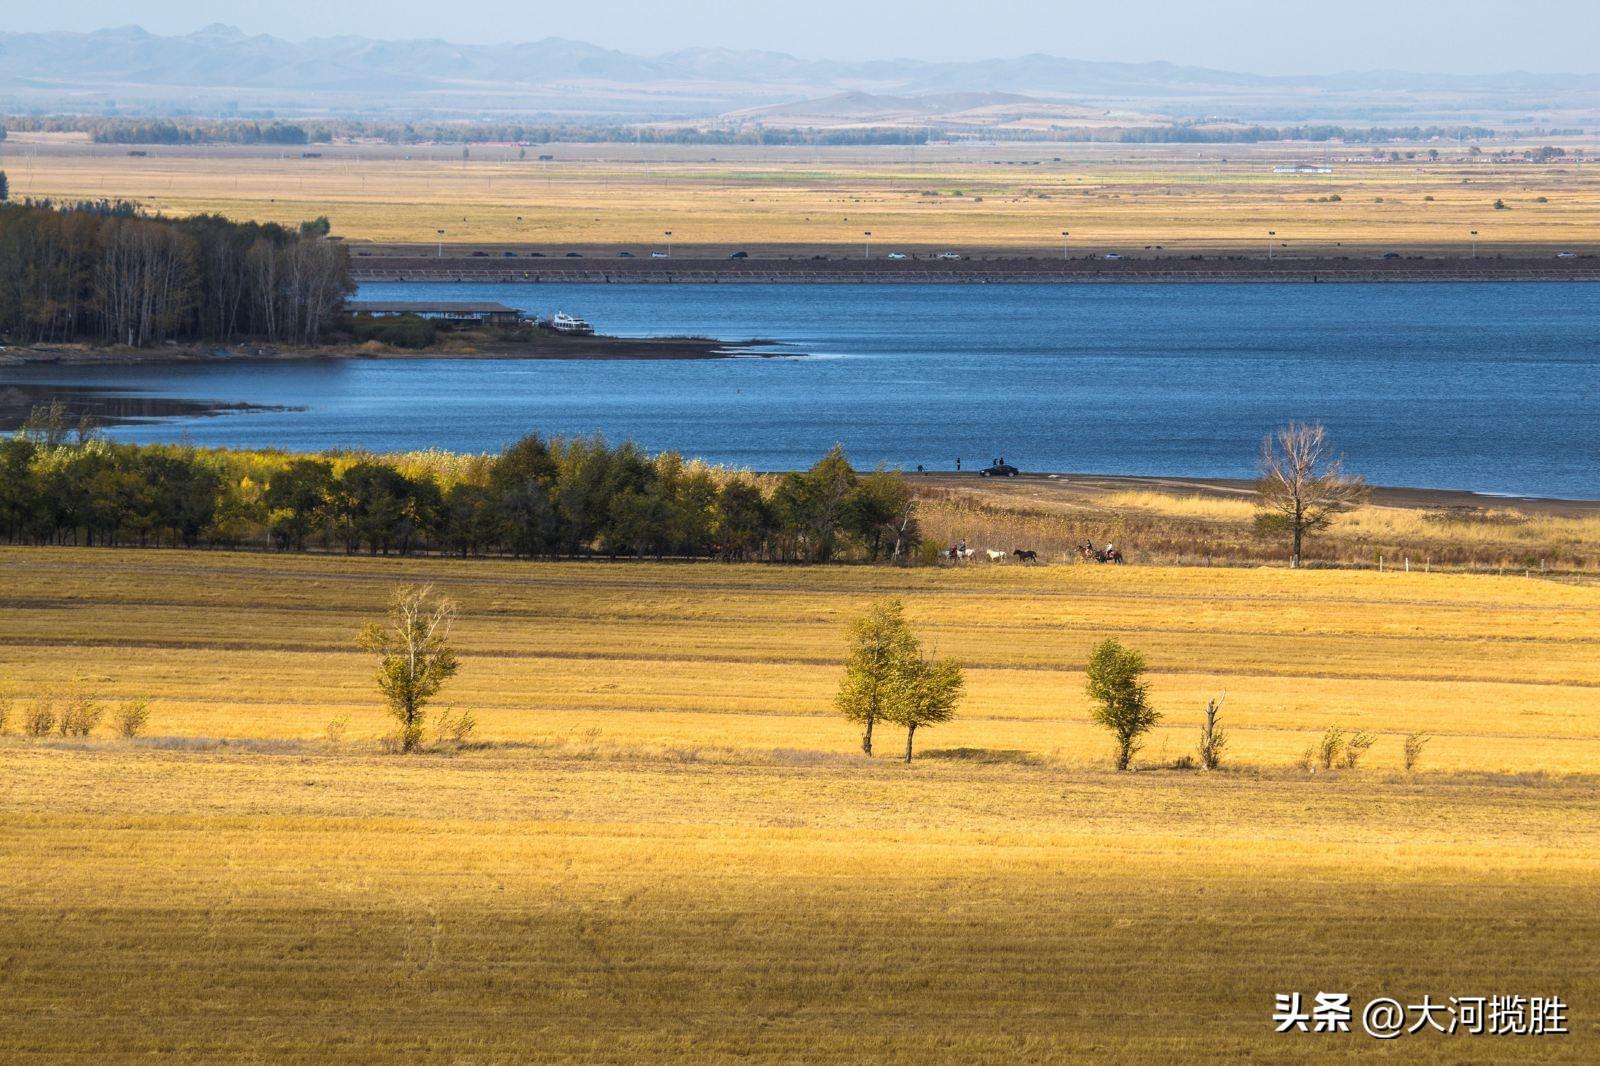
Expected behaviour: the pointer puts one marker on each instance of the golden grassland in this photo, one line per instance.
(1124, 198)
(663, 843)
(1178, 525)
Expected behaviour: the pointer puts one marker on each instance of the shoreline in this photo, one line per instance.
(542, 345)
(607, 269)
(1066, 485)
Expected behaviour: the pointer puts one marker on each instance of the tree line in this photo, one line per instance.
(104, 272)
(537, 499)
(197, 131)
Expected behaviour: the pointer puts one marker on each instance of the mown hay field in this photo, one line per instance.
(600, 197)
(664, 843)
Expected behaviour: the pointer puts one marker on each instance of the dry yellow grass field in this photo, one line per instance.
(1120, 197)
(1194, 522)
(665, 844)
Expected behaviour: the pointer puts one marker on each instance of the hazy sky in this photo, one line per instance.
(1267, 36)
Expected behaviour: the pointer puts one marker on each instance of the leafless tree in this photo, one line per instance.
(1301, 484)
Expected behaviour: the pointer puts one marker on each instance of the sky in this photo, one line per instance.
(1263, 36)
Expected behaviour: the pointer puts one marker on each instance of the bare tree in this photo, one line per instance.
(1301, 484)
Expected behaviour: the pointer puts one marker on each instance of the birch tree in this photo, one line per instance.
(881, 645)
(414, 656)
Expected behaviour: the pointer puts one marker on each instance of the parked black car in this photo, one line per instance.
(1000, 470)
(740, 255)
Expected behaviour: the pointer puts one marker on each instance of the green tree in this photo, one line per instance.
(924, 693)
(522, 481)
(1121, 698)
(743, 520)
(297, 500)
(470, 520)
(881, 646)
(414, 656)
(880, 513)
(814, 504)
(5, 187)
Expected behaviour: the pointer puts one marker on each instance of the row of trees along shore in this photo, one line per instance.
(105, 273)
(538, 498)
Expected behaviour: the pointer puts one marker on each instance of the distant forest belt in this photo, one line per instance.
(596, 268)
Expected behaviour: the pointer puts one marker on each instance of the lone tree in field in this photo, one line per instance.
(5, 187)
(415, 658)
(1213, 738)
(926, 692)
(881, 645)
(1122, 700)
(1301, 484)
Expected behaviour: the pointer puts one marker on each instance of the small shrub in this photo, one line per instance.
(1213, 738)
(39, 720)
(1308, 759)
(132, 718)
(457, 730)
(400, 331)
(1415, 742)
(1184, 762)
(1329, 748)
(1355, 748)
(334, 731)
(80, 715)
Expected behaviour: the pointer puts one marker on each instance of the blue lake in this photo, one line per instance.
(1492, 387)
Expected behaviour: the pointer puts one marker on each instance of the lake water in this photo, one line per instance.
(1492, 387)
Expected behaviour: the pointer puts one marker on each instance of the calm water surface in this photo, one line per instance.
(1488, 387)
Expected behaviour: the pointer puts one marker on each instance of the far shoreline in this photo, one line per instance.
(539, 345)
(603, 266)
(1064, 485)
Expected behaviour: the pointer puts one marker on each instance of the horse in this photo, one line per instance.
(1091, 554)
(957, 552)
(994, 556)
(1025, 555)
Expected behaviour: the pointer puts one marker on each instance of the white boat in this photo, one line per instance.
(562, 322)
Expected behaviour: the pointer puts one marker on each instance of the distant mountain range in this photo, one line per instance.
(219, 65)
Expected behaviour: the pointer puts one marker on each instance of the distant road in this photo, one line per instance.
(602, 268)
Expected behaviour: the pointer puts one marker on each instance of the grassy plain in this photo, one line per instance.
(665, 845)
(1006, 199)
(1163, 520)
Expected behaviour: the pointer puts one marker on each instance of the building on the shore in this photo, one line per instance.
(458, 311)
(1303, 168)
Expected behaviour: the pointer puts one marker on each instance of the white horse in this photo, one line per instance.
(996, 557)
